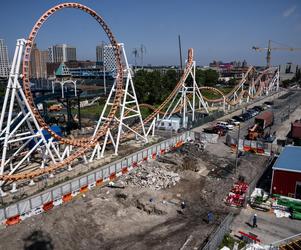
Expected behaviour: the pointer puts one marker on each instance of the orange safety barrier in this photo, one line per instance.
(112, 176)
(162, 151)
(13, 220)
(83, 189)
(47, 206)
(135, 164)
(154, 155)
(67, 197)
(125, 170)
(99, 182)
(179, 144)
(260, 150)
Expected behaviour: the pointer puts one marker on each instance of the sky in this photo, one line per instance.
(216, 29)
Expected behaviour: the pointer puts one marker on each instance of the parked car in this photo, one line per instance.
(238, 118)
(221, 131)
(258, 108)
(225, 125)
(215, 130)
(252, 112)
(269, 103)
(233, 122)
(246, 116)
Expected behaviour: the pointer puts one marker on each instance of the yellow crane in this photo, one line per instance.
(270, 48)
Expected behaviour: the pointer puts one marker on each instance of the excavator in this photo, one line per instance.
(262, 121)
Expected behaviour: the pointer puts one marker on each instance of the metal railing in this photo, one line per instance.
(217, 237)
(285, 241)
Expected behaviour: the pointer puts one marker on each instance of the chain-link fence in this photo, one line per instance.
(205, 119)
(217, 237)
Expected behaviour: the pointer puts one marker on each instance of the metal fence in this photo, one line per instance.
(255, 181)
(74, 186)
(217, 237)
(201, 121)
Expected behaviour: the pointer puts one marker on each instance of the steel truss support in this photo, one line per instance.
(273, 83)
(14, 149)
(188, 98)
(129, 110)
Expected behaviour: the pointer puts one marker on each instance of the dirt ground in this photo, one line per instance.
(146, 212)
(136, 217)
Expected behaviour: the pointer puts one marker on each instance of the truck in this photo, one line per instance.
(55, 107)
(262, 121)
(295, 133)
(296, 129)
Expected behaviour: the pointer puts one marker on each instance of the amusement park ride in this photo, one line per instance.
(30, 148)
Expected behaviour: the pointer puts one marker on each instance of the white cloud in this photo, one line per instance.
(288, 12)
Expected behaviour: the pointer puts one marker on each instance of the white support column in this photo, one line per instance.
(181, 101)
(17, 114)
(129, 108)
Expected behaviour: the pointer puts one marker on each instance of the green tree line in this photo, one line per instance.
(153, 87)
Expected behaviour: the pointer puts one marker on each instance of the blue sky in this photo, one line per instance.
(216, 29)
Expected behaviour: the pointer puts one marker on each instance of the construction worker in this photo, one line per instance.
(183, 204)
(210, 217)
(255, 220)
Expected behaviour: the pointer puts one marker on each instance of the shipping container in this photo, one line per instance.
(265, 119)
(296, 130)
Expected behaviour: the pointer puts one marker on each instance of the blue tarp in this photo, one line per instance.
(54, 128)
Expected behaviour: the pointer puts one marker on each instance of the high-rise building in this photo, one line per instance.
(4, 61)
(38, 63)
(44, 60)
(244, 64)
(99, 53)
(62, 53)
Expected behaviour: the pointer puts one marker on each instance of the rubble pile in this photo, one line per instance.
(151, 175)
(192, 149)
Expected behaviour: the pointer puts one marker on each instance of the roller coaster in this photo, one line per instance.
(51, 151)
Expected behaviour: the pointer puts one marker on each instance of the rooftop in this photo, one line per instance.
(289, 159)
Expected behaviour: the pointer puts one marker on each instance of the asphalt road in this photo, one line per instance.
(282, 109)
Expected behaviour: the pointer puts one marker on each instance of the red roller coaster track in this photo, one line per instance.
(84, 144)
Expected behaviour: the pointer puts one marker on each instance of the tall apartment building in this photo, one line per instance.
(4, 61)
(38, 63)
(99, 53)
(62, 53)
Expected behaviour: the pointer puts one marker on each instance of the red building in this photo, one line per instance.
(286, 178)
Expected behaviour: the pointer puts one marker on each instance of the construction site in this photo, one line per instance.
(189, 175)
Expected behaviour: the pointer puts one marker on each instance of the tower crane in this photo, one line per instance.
(270, 48)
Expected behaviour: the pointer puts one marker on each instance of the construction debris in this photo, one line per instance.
(260, 200)
(152, 175)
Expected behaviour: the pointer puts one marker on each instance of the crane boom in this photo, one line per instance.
(269, 50)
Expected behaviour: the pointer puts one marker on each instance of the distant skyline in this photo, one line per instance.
(217, 30)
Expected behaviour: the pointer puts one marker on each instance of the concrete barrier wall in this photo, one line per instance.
(34, 205)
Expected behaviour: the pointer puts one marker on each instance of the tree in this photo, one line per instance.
(211, 77)
(232, 82)
(200, 77)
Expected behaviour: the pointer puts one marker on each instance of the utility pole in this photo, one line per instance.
(180, 50)
(269, 54)
(236, 157)
(78, 112)
(142, 52)
(136, 54)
